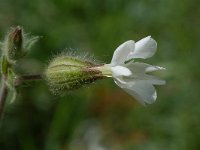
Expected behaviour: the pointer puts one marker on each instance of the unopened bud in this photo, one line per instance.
(68, 73)
(14, 44)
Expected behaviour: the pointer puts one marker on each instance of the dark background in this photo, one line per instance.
(102, 116)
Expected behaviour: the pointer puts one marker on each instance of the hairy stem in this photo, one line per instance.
(3, 95)
(18, 81)
(21, 79)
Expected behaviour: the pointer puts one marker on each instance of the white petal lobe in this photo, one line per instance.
(153, 68)
(120, 71)
(144, 48)
(143, 92)
(144, 78)
(121, 53)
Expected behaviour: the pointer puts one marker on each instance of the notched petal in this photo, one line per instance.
(143, 92)
(121, 53)
(145, 48)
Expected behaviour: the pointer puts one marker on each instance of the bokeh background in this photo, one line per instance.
(101, 116)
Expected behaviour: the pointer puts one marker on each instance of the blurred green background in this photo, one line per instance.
(102, 116)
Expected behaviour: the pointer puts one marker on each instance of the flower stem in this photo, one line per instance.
(19, 80)
(3, 95)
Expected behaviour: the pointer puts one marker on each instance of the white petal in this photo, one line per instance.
(121, 53)
(143, 92)
(130, 92)
(144, 48)
(153, 68)
(150, 79)
(120, 71)
(139, 71)
(137, 67)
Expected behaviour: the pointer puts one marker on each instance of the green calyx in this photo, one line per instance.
(67, 73)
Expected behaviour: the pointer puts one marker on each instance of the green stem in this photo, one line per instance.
(3, 95)
(18, 81)
(21, 79)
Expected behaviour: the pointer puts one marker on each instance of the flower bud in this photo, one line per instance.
(14, 44)
(68, 73)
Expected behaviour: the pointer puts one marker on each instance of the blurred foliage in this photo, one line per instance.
(39, 120)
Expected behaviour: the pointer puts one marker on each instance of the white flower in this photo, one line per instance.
(133, 76)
